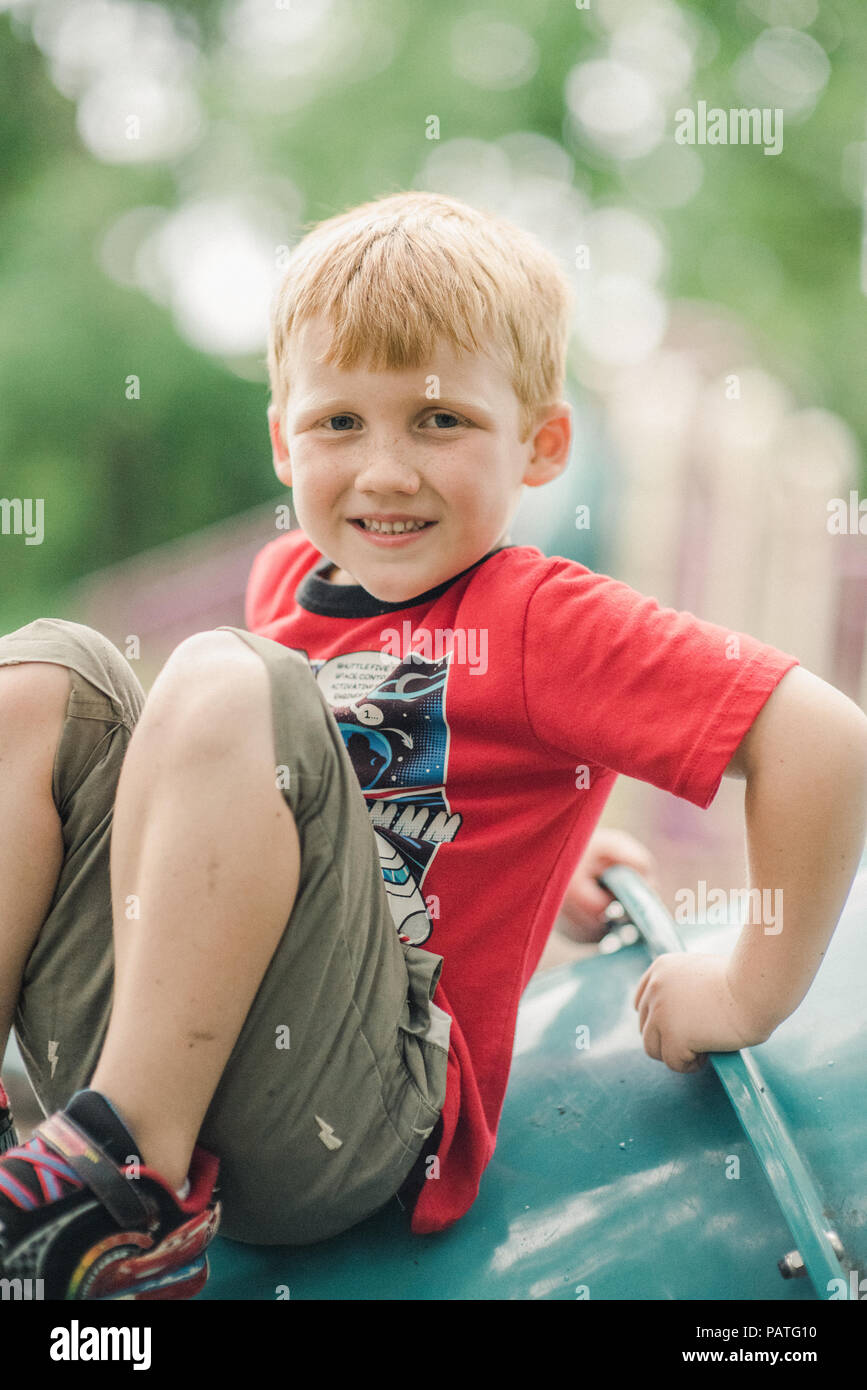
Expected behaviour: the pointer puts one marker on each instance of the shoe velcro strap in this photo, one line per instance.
(96, 1170)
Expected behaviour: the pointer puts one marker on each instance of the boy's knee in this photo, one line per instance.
(217, 658)
(73, 646)
(211, 681)
(33, 696)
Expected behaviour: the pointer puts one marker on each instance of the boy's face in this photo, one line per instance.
(358, 443)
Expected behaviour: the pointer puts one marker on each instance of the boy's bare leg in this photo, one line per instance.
(33, 701)
(205, 863)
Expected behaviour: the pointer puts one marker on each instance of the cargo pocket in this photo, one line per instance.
(424, 1031)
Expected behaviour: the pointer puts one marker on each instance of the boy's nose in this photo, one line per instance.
(387, 470)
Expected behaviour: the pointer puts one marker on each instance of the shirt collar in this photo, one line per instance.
(317, 595)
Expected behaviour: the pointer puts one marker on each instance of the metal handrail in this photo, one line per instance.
(819, 1249)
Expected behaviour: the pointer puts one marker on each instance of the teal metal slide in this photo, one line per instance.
(616, 1178)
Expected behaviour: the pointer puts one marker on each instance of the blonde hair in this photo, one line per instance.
(395, 275)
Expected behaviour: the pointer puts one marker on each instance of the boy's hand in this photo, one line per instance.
(686, 1009)
(585, 901)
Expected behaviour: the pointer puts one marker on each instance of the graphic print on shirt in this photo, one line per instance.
(391, 714)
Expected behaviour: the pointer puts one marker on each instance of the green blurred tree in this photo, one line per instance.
(120, 475)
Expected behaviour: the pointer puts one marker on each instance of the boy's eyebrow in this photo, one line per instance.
(339, 402)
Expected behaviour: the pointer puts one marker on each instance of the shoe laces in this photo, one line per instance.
(50, 1175)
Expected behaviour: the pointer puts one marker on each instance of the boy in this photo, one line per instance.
(340, 838)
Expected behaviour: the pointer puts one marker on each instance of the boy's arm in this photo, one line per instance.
(805, 764)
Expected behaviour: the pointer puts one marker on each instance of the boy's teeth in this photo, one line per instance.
(393, 527)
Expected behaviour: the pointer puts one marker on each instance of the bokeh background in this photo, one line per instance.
(159, 158)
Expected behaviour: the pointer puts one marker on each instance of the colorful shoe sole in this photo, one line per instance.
(181, 1283)
(115, 1268)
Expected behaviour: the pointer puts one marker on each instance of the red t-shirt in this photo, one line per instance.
(526, 684)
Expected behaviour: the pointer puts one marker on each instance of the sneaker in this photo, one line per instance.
(72, 1218)
(8, 1134)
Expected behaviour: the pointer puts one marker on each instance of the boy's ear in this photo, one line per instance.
(279, 452)
(549, 444)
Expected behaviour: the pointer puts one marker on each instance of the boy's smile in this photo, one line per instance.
(437, 445)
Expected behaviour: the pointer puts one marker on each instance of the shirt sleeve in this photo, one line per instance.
(616, 681)
(273, 575)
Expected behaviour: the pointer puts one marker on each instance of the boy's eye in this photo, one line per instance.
(344, 422)
(445, 415)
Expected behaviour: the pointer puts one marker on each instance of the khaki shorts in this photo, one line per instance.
(314, 1136)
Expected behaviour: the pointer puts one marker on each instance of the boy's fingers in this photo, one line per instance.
(591, 898)
(693, 1061)
(652, 1044)
(676, 1063)
(640, 990)
(622, 847)
(634, 856)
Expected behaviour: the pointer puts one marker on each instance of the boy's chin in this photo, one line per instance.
(401, 588)
(396, 593)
